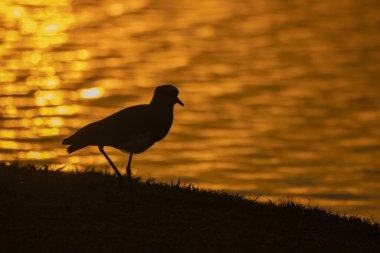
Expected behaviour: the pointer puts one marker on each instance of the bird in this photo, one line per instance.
(131, 130)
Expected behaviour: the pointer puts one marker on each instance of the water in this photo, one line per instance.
(282, 98)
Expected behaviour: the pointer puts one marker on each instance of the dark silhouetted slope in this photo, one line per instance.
(45, 211)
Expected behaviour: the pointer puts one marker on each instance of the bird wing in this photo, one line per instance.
(114, 129)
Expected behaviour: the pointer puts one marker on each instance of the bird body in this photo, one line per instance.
(133, 129)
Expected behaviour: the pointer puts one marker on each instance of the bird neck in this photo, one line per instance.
(161, 104)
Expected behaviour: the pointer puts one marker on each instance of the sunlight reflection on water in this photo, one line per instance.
(281, 97)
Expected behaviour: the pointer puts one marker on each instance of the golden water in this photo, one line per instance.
(282, 97)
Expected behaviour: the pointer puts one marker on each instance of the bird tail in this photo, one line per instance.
(67, 141)
(73, 148)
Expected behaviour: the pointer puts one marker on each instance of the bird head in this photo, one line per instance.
(166, 94)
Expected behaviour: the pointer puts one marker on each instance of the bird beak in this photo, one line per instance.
(178, 101)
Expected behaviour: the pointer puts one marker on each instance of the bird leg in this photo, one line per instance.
(129, 177)
(110, 162)
(128, 169)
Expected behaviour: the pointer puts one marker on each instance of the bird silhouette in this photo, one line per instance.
(132, 130)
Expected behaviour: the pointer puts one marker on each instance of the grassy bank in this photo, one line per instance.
(47, 211)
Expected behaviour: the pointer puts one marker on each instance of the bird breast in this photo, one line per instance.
(162, 124)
